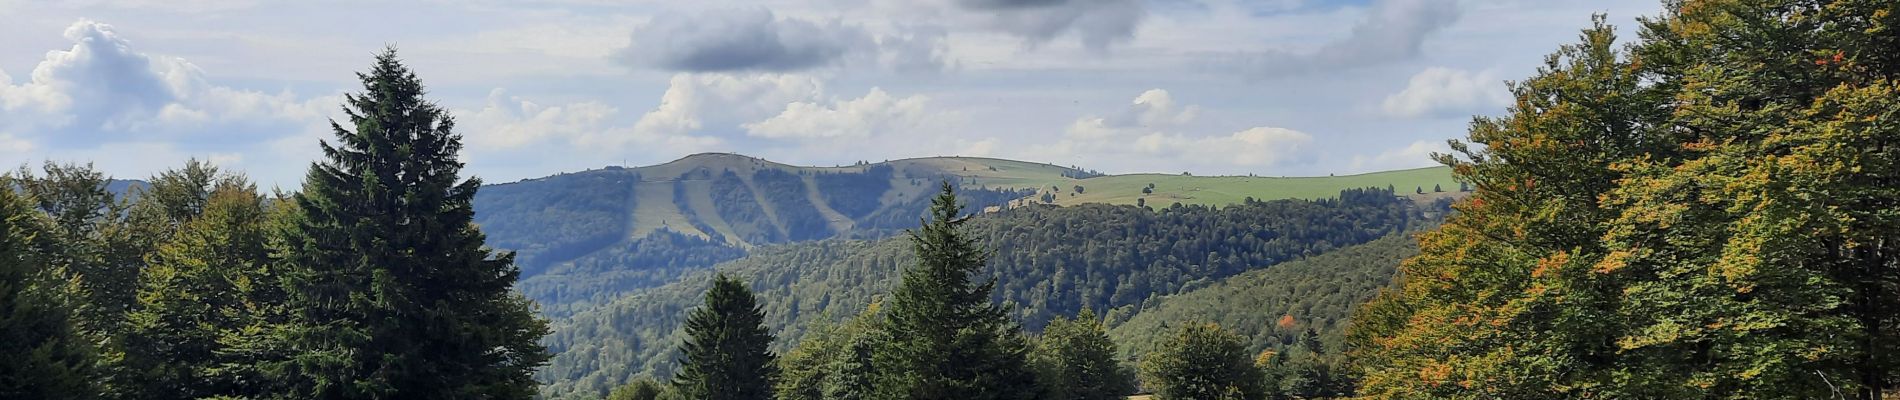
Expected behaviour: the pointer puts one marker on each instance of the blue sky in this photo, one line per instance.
(1269, 87)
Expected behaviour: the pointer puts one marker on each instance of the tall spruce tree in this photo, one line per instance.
(391, 291)
(42, 354)
(946, 340)
(725, 355)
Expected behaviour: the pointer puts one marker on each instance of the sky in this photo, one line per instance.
(1213, 87)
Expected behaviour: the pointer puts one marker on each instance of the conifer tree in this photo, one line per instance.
(391, 291)
(946, 340)
(725, 356)
(42, 353)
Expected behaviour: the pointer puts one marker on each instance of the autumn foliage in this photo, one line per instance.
(1707, 212)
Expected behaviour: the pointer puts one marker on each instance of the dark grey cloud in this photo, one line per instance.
(755, 39)
(1008, 4)
(1394, 30)
(1096, 23)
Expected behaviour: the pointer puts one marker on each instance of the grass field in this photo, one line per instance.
(1222, 190)
(655, 206)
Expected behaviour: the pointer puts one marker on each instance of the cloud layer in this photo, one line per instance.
(1393, 30)
(1441, 91)
(755, 39)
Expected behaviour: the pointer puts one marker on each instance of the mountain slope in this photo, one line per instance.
(1316, 293)
(1048, 261)
(586, 237)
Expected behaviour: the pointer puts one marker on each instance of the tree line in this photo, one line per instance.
(369, 282)
(1049, 263)
(941, 337)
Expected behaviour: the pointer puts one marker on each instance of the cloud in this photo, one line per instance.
(1444, 91)
(754, 39)
(875, 113)
(101, 90)
(1418, 154)
(1393, 30)
(508, 122)
(1152, 132)
(1260, 146)
(716, 103)
(1152, 109)
(1096, 23)
(11, 144)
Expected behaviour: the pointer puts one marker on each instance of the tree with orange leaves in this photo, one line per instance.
(1704, 214)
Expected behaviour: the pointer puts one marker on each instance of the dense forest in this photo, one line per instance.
(574, 235)
(370, 282)
(1048, 262)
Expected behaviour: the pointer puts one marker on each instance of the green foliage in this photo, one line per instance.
(1201, 361)
(1075, 360)
(855, 194)
(643, 389)
(725, 356)
(1048, 261)
(92, 238)
(391, 292)
(791, 205)
(834, 361)
(946, 340)
(556, 219)
(1296, 311)
(46, 355)
(203, 289)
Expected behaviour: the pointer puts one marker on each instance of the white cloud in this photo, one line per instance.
(1261, 146)
(12, 144)
(697, 103)
(1153, 109)
(1415, 155)
(508, 122)
(1443, 91)
(1152, 131)
(875, 113)
(102, 89)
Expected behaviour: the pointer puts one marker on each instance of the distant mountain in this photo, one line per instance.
(1048, 261)
(586, 237)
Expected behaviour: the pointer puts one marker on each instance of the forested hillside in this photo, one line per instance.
(1296, 311)
(1048, 262)
(587, 237)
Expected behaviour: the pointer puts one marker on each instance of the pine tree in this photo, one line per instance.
(391, 291)
(1076, 361)
(725, 355)
(946, 341)
(45, 356)
(1203, 361)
